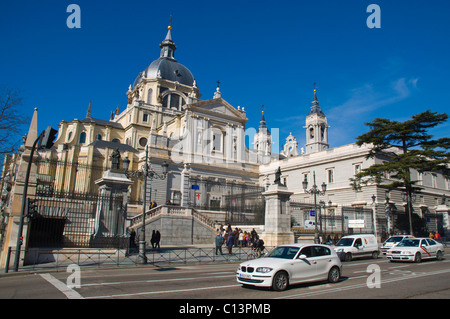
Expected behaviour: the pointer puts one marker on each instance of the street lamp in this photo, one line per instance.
(146, 172)
(315, 191)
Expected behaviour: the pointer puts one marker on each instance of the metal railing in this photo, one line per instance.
(60, 259)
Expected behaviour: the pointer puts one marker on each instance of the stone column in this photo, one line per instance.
(277, 227)
(111, 208)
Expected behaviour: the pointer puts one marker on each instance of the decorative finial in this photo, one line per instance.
(315, 87)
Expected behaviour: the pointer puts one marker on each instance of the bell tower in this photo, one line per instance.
(316, 128)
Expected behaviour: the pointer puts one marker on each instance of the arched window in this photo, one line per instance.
(174, 101)
(98, 137)
(82, 139)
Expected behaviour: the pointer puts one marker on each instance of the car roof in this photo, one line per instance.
(300, 245)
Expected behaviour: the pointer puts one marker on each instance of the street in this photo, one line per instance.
(429, 279)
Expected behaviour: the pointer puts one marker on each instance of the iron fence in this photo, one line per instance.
(77, 220)
(60, 259)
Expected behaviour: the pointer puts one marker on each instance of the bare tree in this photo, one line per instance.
(11, 120)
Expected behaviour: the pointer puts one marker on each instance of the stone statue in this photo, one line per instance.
(115, 159)
(278, 176)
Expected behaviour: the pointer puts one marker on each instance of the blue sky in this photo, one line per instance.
(262, 52)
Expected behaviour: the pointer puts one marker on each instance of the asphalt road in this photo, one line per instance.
(429, 279)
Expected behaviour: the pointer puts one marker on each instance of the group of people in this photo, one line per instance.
(235, 238)
(156, 238)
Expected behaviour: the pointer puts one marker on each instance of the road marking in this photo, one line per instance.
(160, 292)
(153, 280)
(69, 292)
(356, 286)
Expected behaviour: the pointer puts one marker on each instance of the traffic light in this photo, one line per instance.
(48, 138)
(32, 207)
(21, 240)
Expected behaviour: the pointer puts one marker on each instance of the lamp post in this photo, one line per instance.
(315, 191)
(146, 171)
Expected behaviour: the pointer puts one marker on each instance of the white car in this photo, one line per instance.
(392, 242)
(289, 264)
(416, 249)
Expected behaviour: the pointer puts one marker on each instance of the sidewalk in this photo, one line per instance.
(166, 255)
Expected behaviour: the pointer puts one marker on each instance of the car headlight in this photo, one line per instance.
(264, 269)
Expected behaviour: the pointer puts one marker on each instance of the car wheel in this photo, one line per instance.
(418, 258)
(334, 275)
(439, 255)
(280, 281)
(375, 255)
(348, 257)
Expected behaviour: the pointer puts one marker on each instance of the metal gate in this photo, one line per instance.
(76, 221)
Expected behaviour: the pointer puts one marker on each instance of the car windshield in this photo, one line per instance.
(394, 239)
(409, 243)
(285, 252)
(345, 242)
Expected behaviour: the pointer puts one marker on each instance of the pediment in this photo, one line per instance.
(218, 107)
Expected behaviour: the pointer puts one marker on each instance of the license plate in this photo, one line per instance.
(247, 276)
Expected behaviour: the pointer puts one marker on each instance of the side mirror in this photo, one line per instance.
(302, 256)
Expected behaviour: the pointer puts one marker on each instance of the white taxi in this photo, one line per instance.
(416, 249)
(392, 242)
(289, 264)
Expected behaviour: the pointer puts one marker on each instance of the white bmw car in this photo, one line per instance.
(289, 264)
(416, 249)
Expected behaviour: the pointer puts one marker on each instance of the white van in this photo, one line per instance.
(349, 247)
(310, 224)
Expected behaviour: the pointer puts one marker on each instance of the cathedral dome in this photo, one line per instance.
(166, 67)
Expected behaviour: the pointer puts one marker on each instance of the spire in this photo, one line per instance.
(262, 123)
(315, 108)
(168, 46)
(32, 131)
(88, 113)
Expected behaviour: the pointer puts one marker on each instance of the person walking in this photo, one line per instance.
(153, 240)
(230, 243)
(157, 239)
(219, 242)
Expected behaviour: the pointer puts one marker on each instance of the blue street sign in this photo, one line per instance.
(312, 213)
(195, 187)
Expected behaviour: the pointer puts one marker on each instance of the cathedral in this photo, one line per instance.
(202, 143)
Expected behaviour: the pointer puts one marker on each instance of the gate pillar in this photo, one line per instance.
(277, 226)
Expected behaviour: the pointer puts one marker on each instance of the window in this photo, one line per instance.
(82, 139)
(173, 101)
(145, 117)
(307, 251)
(217, 140)
(321, 251)
(357, 168)
(330, 175)
(142, 141)
(98, 137)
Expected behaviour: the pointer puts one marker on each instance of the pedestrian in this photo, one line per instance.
(241, 238)
(157, 239)
(438, 237)
(219, 242)
(153, 204)
(230, 243)
(132, 239)
(153, 240)
(431, 235)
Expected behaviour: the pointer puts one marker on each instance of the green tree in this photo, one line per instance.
(403, 146)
